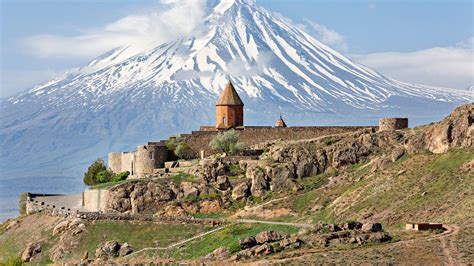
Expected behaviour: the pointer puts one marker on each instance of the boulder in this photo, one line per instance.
(397, 153)
(125, 249)
(108, 249)
(210, 206)
(222, 183)
(267, 236)
(333, 228)
(74, 223)
(247, 242)
(264, 249)
(60, 228)
(379, 237)
(209, 169)
(371, 227)
(352, 225)
(30, 251)
(280, 174)
(189, 189)
(241, 191)
(85, 256)
(218, 253)
(259, 179)
(292, 241)
(12, 224)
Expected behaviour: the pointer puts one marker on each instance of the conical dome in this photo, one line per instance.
(280, 122)
(229, 96)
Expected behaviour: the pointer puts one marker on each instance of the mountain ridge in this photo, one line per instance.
(115, 103)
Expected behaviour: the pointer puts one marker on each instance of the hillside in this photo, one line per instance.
(127, 97)
(424, 174)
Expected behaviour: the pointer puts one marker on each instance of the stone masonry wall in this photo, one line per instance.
(199, 140)
(392, 123)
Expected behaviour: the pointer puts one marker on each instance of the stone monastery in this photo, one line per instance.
(151, 157)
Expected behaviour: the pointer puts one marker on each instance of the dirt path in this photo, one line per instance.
(177, 244)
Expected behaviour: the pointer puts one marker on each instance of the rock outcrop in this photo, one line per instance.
(455, 131)
(30, 251)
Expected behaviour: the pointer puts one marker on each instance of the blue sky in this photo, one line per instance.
(427, 42)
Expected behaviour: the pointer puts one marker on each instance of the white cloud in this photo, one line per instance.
(325, 35)
(439, 66)
(174, 19)
(239, 67)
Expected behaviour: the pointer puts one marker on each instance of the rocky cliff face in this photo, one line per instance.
(284, 163)
(455, 131)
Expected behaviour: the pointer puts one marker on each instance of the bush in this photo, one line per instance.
(97, 173)
(179, 147)
(120, 177)
(22, 202)
(103, 176)
(227, 142)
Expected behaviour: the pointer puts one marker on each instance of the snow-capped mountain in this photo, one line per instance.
(124, 97)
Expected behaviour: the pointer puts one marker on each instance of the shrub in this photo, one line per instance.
(120, 177)
(103, 176)
(97, 173)
(179, 147)
(22, 202)
(227, 142)
(183, 151)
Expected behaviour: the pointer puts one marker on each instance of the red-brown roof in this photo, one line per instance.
(229, 96)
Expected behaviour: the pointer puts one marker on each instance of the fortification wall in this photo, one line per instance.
(95, 199)
(115, 162)
(149, 157)
(392, 123)
(199, 140)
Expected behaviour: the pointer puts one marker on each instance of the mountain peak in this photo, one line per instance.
(129, 96)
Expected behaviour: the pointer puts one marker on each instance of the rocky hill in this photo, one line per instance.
(335, 199)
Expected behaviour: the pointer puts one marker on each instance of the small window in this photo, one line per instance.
(224, 120)
(237, 120)
(152, 155)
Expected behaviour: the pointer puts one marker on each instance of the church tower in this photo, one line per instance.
(229, 109)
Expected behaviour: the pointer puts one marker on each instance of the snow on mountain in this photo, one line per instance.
(124, 97)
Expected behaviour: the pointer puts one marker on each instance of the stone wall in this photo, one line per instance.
(199, 140)
(140, 162)
(393, 123)
(148, 218)
(95, 199)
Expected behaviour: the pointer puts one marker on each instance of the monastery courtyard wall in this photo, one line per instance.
(199, 140)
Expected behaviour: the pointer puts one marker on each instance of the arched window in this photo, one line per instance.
(224, 120)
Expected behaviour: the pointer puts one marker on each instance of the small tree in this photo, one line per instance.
(227, 142)
(179, 147)
(91, 175)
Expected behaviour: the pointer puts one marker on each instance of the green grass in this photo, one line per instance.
(235, 169)
(12, 261)
(138, 235)
(227, 237)
(110, 184)
(211, 215)
(183, 177)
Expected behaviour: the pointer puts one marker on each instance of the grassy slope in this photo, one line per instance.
(420, 188)
(227, 237)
